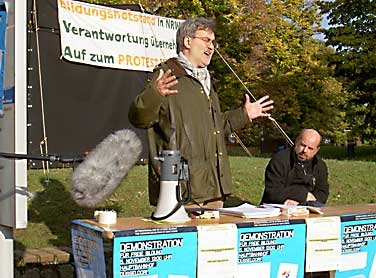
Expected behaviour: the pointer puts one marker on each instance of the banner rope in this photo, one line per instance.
(43, 143)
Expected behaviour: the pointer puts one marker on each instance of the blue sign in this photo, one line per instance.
(88, 253)
(358, 255)
(271, 249)
(163, 252)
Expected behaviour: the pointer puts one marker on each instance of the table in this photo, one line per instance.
(230, 246)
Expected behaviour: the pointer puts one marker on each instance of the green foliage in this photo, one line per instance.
(272, 51)
(363, 153)
(352, 34)
(270, 47)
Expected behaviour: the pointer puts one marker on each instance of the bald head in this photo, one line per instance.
(307, 144)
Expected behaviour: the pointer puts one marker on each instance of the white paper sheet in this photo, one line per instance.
(217, 251)
(372, 273)
(323, 249)
(259, 270)
(353, 261)
(287, 270)
(250, 211)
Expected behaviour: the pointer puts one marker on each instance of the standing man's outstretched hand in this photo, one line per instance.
(258, 108)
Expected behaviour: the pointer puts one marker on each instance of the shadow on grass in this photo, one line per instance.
(55, 207)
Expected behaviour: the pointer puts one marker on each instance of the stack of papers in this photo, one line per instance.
(291, 210)
(295, 210)
(250, 211)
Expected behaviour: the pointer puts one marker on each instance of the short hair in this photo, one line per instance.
(189, 28)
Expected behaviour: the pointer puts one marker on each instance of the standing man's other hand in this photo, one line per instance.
(165, 81)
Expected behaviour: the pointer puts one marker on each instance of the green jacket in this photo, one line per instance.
(192, 123)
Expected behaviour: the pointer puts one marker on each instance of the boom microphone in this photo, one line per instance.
(103, 169)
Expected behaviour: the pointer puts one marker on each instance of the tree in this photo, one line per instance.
(352, 33)
(274, 52)
(269, 45)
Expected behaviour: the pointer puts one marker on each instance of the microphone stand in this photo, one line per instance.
(50, 158)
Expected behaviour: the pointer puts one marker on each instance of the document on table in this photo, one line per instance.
(250, 211)
(293, 210)
(323, 250)
(217, 250)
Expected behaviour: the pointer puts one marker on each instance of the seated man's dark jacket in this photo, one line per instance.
(287, 178)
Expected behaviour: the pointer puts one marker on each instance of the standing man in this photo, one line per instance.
(181, 111)
(298, 176)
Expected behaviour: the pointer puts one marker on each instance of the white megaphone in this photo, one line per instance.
(170, 206)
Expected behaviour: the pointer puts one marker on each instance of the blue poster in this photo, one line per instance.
(3, 25)
(358, 255)
(155, 252)
(269, 249)
(88, 253)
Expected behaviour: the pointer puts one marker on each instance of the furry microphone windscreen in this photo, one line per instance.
(104, 168)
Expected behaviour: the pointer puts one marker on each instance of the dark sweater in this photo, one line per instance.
(288, 178)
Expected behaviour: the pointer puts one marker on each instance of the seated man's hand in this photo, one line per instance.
(291, 202)
(311, 197)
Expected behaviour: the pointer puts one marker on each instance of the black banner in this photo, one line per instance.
(79, 104)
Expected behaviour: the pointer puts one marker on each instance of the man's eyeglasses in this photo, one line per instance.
(208, 40)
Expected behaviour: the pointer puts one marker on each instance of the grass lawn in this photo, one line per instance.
(51, 209)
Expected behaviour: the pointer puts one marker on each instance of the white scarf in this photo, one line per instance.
(201, 74)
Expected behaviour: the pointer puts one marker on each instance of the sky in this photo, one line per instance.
(324, 24)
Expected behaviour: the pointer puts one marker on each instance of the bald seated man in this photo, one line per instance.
(297, 175)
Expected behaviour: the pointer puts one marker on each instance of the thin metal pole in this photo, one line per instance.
(253, 97)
